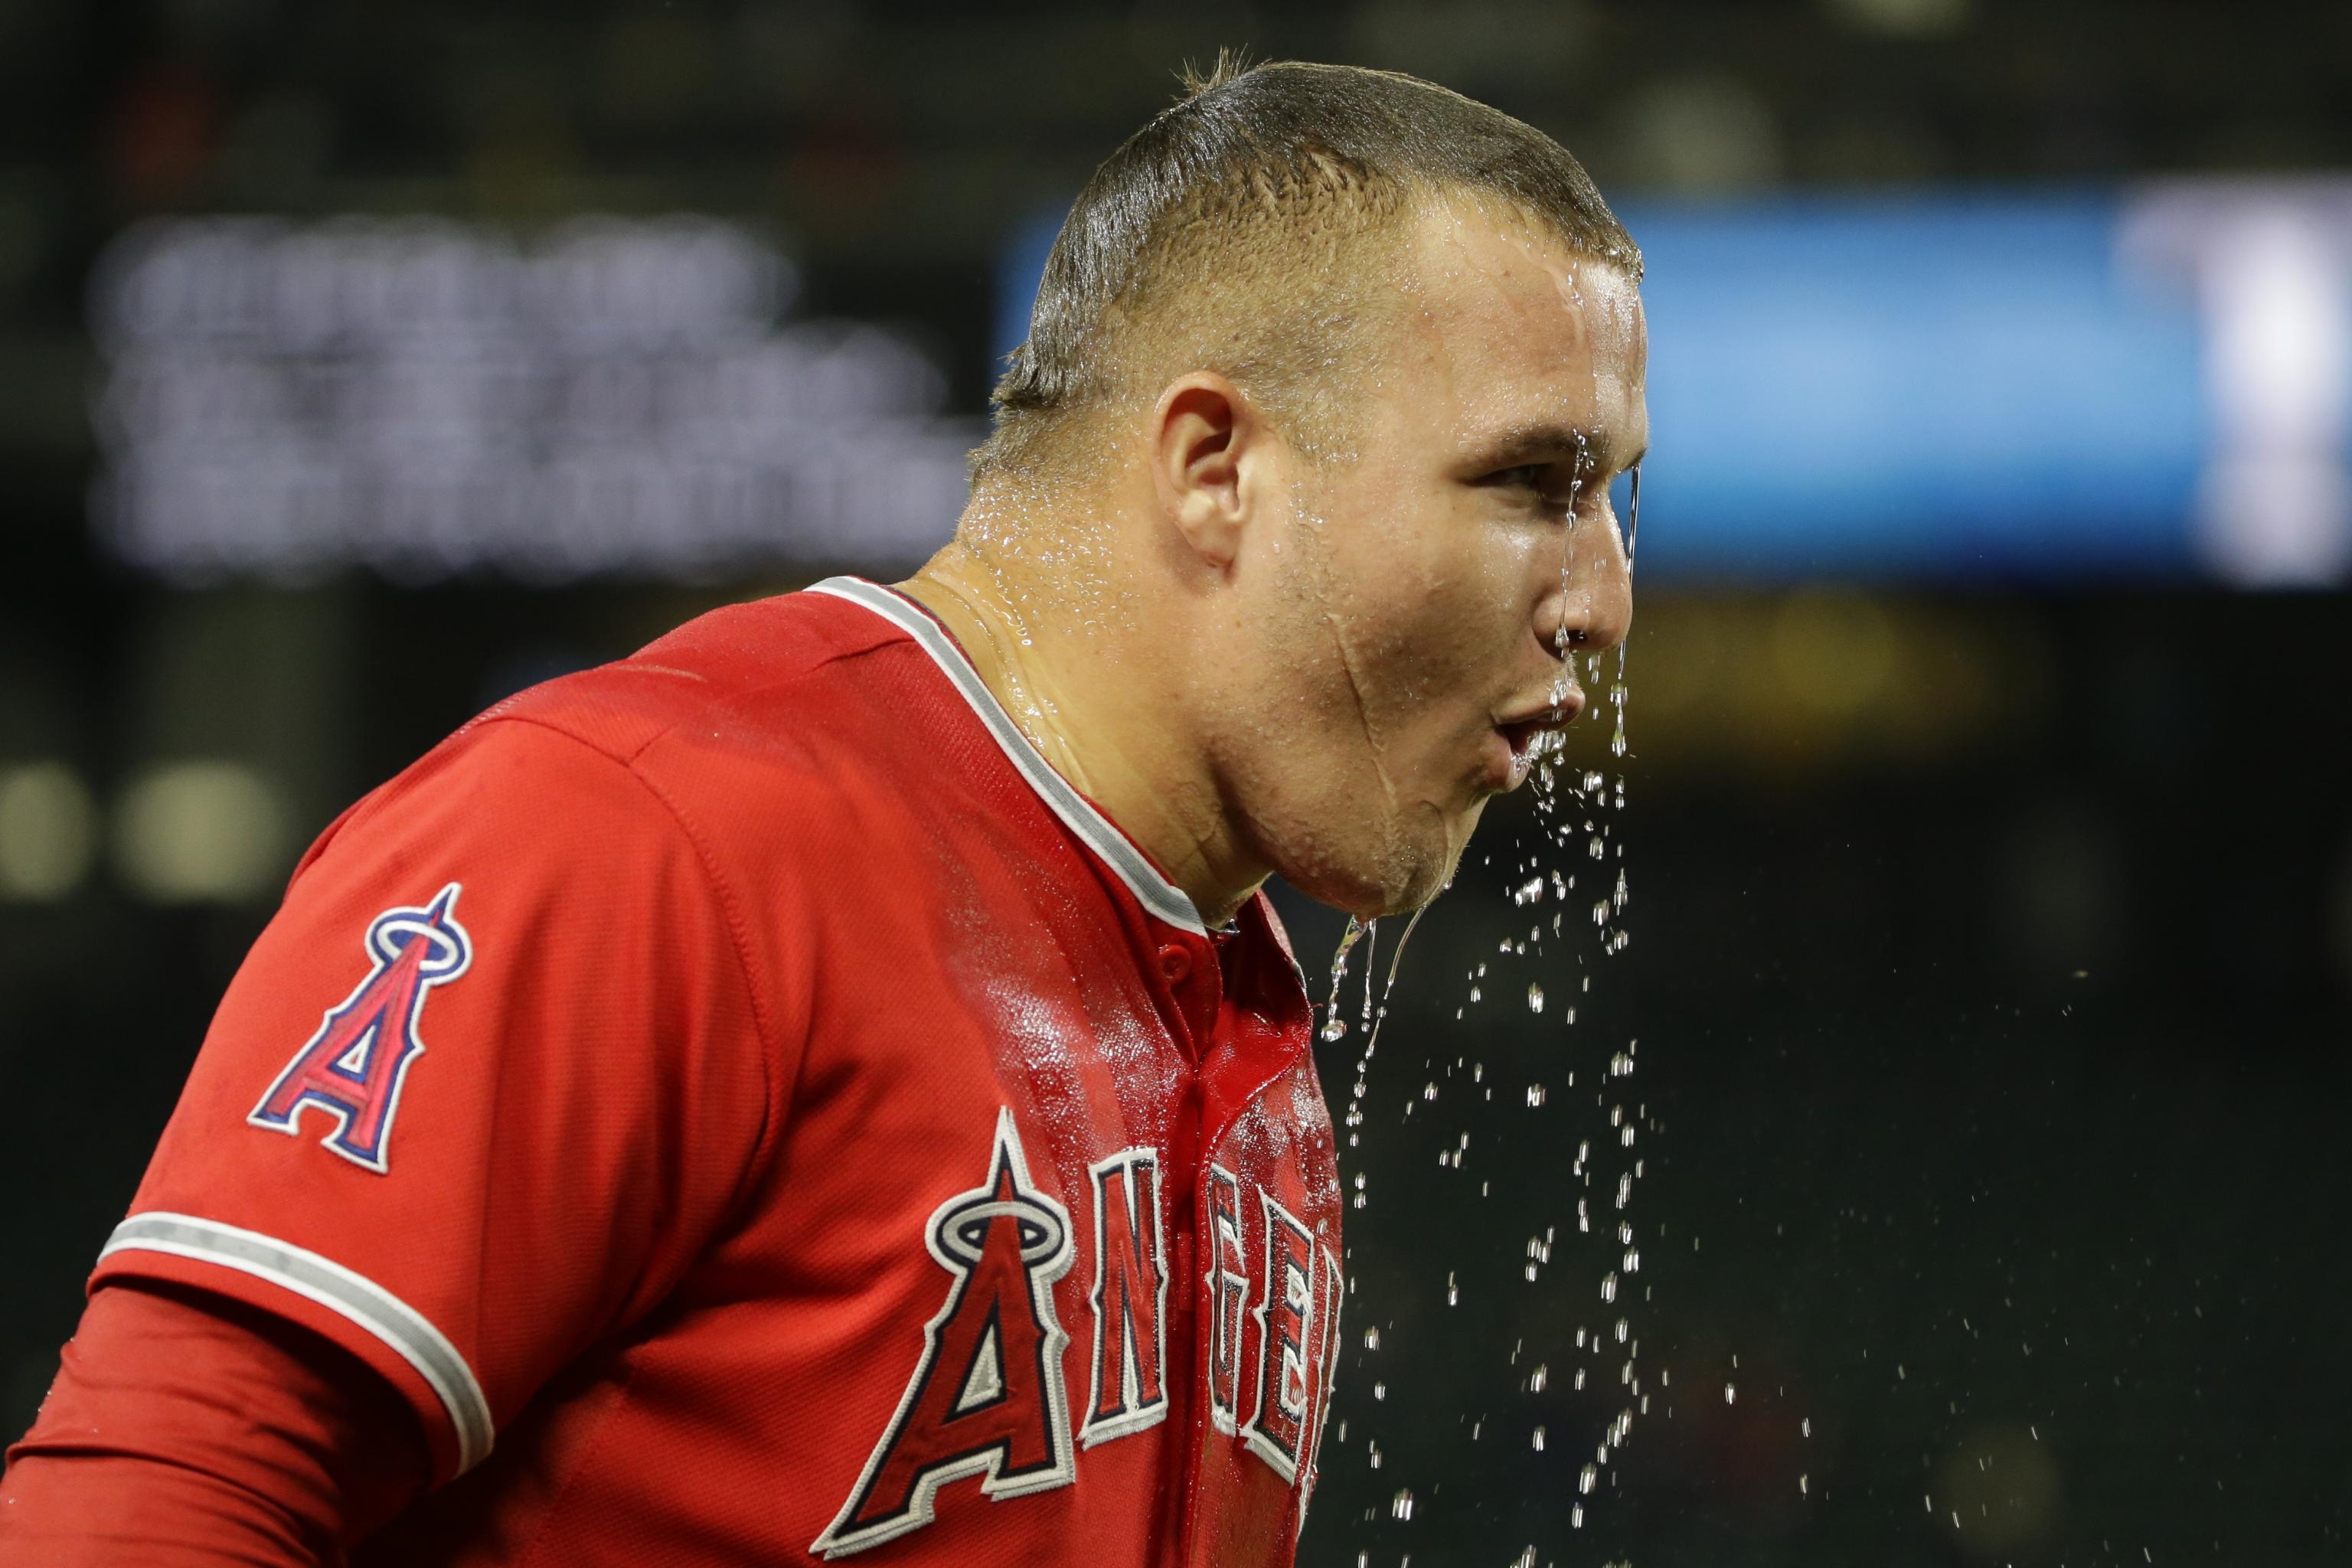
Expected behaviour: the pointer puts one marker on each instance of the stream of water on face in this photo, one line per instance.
(1573, 815)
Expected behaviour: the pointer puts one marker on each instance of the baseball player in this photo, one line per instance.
(830, 1084)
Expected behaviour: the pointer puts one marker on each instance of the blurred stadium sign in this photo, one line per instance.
(2151, 382)
(428, 398)
(2271, 268)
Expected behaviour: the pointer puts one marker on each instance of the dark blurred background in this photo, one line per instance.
(1986, 824)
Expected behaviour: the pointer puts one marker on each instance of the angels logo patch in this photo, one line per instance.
(987, 1399)
(353, 1067)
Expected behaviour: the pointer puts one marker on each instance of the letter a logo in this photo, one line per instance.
(353, 1067)
(987, 1398)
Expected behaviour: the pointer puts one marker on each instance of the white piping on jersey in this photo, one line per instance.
(335, 1287)
(1156, 893)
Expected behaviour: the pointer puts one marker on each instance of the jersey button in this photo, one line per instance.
(1175, 962)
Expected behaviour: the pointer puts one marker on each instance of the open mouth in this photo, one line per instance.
(1523, 737)
(1535, 736)
(1524, 743)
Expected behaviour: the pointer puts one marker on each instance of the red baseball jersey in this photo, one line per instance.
(757, 1111)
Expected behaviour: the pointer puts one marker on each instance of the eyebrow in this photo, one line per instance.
(1547, 440)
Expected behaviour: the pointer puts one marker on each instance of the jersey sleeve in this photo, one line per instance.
(186, 1429)
(484, 1087)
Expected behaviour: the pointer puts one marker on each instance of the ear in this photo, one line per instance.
(1205, 446)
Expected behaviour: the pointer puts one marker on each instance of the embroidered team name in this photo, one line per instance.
(987, 1399)
(1227, 1284)
(1285, 1317)
(1130, 1298)
(1298, 1293)
(353, 1067)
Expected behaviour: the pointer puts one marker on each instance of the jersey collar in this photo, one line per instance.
(1162, 898)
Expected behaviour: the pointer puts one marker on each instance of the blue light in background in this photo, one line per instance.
(1922, 387)
(1930, 386)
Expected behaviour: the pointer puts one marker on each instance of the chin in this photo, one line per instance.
(1398, 876)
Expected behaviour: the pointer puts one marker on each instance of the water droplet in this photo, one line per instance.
(1336, 1026)
(1535, 998)
(1729, 1394)
(1539, 1436)
(1401, 1507)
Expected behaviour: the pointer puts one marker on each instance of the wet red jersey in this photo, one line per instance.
(756, 1112)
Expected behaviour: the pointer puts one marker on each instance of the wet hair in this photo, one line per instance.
(1242, 231)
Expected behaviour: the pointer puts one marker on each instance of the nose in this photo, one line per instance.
(1593, 607)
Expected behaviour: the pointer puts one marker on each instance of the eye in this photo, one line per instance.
(1546, 488)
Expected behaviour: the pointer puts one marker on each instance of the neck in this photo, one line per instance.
(1095, 703)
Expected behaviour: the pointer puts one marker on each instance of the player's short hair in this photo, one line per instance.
(1234, 233)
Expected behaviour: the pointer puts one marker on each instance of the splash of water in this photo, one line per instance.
(1575, 813)
(1374, 1014)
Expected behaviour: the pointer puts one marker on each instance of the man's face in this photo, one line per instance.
(1410, 603)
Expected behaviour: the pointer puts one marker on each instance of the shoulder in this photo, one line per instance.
(761, 679)
(738, 712)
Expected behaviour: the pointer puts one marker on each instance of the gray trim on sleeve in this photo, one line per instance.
(335, 1287)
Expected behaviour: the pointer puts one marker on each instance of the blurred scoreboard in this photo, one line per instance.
(2151, 382)
(428, 398)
